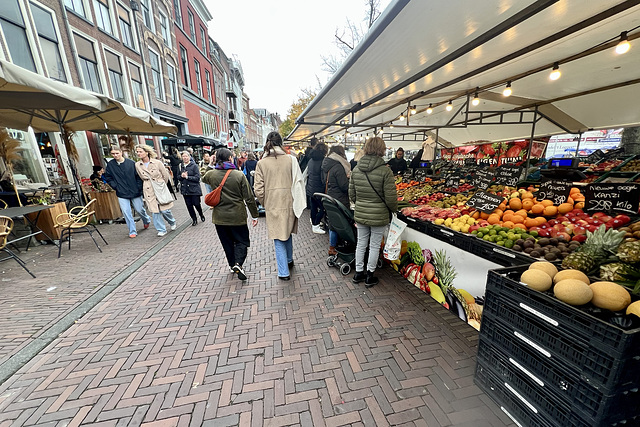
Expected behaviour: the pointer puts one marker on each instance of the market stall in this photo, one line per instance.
(496, 80)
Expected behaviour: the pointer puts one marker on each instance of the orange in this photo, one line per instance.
(493, 219)
(578, 197)
(579, 205)
(540, 220)
(524, 227)
(476, 215)
(522, 213)
(537, 209)
(498, 212)
(527, 195)
(546, 203)
(565, 207)
(517, 219)
(484, 215)
(507, 217)
(527, 204)
(515, 203)
(550, 211)
(508, 224)
(574, 190)
(503, 206)
(570, 200)
(531, 222)
(508, 211)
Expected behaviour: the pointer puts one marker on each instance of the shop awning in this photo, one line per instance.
(421, 53)
(192, 140)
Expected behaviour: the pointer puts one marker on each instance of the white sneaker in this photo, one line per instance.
(174, 226)
(317, 229)
(162, 233)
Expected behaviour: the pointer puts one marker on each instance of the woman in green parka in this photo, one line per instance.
(372, 189)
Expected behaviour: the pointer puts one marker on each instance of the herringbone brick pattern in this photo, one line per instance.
(184, 342)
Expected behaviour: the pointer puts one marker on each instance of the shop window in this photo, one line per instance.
(173, 84)
(76, 5)
(198, 77)
(14, 29)
(115, 76)
(192, 27)
(164, 29)
(147, 14)
(156, 73)
(103, 18)
(126, 32)
(136, 86)
(88, 64)
(49, 43)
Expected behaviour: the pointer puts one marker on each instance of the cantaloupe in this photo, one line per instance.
(536, 279)
(610, 295)
(571, 274)
(573, 291)
(634, 308)
(547, 267)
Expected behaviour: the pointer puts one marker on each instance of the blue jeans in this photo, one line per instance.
(207, 187)
(284, 255)
(372, 237)
(333, 238)
(158, 222)
(138, 205)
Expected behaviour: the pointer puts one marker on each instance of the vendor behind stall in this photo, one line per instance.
(398, 164)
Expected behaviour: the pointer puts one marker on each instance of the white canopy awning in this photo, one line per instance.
(423, 52)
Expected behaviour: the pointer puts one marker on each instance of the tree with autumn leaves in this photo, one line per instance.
(297, 107)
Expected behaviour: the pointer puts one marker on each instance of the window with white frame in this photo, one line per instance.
(178, 12)
(173, 84)
(164, 29)
(14, 29)
(49, 42)
(203, 40)
(185, 66)
(136, 86)
(198, 77)
(209, 124)
(126, 31)
(147, 14)
(88, 64)
(156, 73)
(192, 27)
(103, 18)
(76, 5)
(207, 78)
(115, 75)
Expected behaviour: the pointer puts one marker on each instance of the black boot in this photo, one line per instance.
(358, 277)
(370, 280)
(202, 218)
(195, 222)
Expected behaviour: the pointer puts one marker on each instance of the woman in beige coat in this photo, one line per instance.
(273, 182)
(148, 168)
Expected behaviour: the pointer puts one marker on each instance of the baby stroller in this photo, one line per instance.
(341, 221)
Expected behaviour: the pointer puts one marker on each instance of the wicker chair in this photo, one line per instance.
(6, 225)
(77, 221)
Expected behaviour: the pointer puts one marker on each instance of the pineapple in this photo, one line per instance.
(618, 271)
(446, 274)
(595, 249)
(629, 252)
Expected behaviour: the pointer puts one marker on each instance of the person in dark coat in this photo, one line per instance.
(174, 164)
(249, 167)
(304, 161)
(190, 186)
(122, 177)
(398, 164)
(335, 173)
(315, 185)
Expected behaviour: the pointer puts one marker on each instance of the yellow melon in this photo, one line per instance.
(571, 274)
(634, 308)
(547, 267)
(536, 279)
(573, 291)
(610, 296)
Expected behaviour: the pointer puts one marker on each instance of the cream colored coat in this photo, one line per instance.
(272, 185)
(158, 172)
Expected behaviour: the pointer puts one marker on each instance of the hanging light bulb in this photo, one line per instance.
(391, 125)
(429, 110)
(49, 144)
(507, 90)
(475, 101)
(555, 73)
(413, 110)
(623, 45)
(449, 106)
(401, 118)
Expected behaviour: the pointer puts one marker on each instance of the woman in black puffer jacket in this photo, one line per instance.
(335, 173)
(316, 185)
(190, 186)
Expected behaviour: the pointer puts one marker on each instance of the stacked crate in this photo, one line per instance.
(550, 364)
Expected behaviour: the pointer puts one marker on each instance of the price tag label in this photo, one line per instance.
(484, 202)
(452, 181)
(407, 175)
(508, 175)
(623, 198)
(420, 174)
(482, 179)
(557, 191)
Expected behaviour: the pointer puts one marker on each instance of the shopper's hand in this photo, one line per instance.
(254, 222)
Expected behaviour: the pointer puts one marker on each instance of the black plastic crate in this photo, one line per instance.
(454, 238)
(413, 223)
(498, 254)
(505, 286)
(548, 383)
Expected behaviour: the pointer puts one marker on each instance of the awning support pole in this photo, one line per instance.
(578, 146)
(533, 131)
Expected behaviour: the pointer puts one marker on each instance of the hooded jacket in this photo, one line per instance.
(314, 174)
(190, 186)
(370, 208)
(336, 181)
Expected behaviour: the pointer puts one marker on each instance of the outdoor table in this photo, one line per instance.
(22, 212)
(68, 193)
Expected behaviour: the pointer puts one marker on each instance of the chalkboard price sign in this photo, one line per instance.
(407, 175)
(508, 176)
(420, 174)
(484, 202)
(452, 181)
(557, 191)
(482, 179)
(612, 197)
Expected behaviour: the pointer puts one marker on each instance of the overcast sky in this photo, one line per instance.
(280, 43)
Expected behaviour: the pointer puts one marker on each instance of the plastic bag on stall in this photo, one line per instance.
(394, 239)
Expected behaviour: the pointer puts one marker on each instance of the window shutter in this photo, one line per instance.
(85, 48)
(113, 62)
(135, 73)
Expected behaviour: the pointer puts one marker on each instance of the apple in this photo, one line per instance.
(598, 214)
(564, 236)
(604, 219)
(543, 232)
(579, 238)
(592, 228)
(577, 211)
(580, 231)
(552, 222)
(562, 218)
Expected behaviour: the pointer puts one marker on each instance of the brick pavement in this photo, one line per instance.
(183, 342)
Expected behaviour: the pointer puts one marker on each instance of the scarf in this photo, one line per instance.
(345, 164)
(226, 165)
